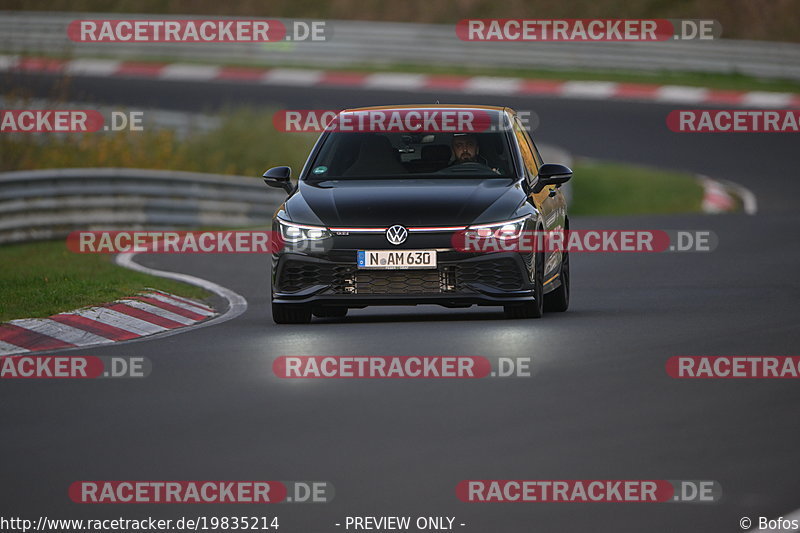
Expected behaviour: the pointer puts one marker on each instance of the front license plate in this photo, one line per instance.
(396, 259)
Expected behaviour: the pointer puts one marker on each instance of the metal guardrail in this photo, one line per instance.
(354, 43)
(48, 204)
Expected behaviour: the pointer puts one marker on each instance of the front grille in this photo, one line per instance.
(298, 275)
(401, 281)
(503, 273)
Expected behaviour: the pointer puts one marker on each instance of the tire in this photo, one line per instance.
(533, 309)
(290, 314)
(330, 312)
(558, 300)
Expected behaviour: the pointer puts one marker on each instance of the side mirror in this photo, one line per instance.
(279, 177)
(551, 174)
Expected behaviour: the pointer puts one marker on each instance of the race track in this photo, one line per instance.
(600, 405)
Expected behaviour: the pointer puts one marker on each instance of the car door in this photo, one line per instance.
(548, 201)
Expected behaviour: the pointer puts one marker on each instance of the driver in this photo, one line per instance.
(465, 150)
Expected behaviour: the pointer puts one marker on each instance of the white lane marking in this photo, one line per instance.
(681, 94)
(391, 80)
(589, 89)
(176, 303)
(765, 99)
(120, 320)
(492, 85)
(180, 299)
(185, 71)
(158, 311)
(292, 76)
(93, 67)
(237, 304)
(6, 348)
(60, 331)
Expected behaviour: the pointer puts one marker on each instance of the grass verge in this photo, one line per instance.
(245, 144)
(603, 188)
(43, 278)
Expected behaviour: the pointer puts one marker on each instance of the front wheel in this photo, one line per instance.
(558, 299)
(533, 309)
(290, 314)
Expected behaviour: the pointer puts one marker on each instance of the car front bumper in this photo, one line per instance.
(460, 280)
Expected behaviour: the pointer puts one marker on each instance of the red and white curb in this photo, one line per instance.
(596, 90)
(147, 313)
(719, 196)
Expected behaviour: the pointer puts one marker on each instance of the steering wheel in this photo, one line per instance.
(467, 167)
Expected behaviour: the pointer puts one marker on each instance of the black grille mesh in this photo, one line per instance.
(502, 273)
(398, 282)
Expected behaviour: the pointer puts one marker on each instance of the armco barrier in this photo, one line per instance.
(48, 204)
(354, 43)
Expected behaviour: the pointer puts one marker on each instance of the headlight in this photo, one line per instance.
(510, 229)
(291, 232)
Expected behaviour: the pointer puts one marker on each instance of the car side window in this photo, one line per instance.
(536, 154)
(527, 151)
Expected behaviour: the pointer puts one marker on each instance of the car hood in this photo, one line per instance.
(410, 202)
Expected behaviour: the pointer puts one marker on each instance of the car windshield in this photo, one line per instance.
(362, 155)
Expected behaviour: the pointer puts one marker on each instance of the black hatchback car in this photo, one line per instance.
(372, 218)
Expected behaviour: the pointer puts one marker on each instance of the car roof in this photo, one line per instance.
(431, 106)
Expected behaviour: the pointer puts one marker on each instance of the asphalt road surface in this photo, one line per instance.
(599, 406)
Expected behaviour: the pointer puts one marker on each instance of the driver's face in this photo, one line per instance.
(465, 149)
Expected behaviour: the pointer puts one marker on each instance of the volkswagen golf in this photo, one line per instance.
(374, 215)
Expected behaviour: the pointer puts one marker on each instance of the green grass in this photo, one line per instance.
(245, 144)
(601, 188)
(43, 278)
(40, 279)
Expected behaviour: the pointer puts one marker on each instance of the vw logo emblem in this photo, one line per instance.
(397, 234)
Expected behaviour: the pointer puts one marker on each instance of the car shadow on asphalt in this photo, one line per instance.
(459, 315)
